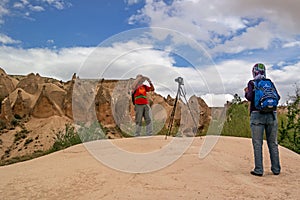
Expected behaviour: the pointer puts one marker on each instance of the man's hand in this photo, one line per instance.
(148, 79)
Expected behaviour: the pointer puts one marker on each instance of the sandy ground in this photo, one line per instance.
(74, 173)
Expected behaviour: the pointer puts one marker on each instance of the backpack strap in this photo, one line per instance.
(140, 97)
(132, 96)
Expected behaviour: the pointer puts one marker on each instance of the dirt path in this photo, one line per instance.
(224, 174)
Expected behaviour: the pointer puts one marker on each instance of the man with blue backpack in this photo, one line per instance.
(262, 94)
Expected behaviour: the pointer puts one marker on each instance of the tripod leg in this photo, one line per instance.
(193, 118)
(172, 114)
(171, 119)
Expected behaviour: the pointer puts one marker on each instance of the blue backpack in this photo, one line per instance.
(266, 97)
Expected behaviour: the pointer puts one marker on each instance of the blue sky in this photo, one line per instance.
(212, 44)
(78, 23)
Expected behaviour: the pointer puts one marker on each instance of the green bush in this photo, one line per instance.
(66, 138)
(70, 137)
(237, 121)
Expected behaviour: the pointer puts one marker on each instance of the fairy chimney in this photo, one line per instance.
(20, 107)
(45, 107)
(30, 83)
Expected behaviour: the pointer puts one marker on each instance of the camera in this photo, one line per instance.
(179, 80)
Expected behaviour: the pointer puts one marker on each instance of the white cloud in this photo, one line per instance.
(247, 40)
(36, 8)
(215, 84)
(291, 44)
(122, 60)
(25, 7)
(3, 10)
(205, 19)
(132, 2)
(58, 4)
(217, 100)
(4, 39)
(57, 64)
(25, 2)
(18, 5)
(21, 4)
(284, 78)
(50, 41)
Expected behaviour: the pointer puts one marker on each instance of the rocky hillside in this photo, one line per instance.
(35, 108)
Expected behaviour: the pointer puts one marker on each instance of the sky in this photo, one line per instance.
(212, 44)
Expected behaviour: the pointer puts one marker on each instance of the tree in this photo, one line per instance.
(236, 99)
(290, 131)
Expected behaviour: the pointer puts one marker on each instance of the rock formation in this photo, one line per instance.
(107, 101)
(34, 99)
(21, 105)
(6, 84)
(45, 106)
(67, 104)
(6, 113)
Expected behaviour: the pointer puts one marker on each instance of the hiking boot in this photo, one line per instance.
(255, 174)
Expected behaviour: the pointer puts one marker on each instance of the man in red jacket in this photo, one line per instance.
(142, 108)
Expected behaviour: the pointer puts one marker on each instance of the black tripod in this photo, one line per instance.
(180, 92)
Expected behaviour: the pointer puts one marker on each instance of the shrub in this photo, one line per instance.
(27, 141)
(17, 116)
(66, 138)
(21, 135)
(14, 122)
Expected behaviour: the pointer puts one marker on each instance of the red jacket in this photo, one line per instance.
(140, 95)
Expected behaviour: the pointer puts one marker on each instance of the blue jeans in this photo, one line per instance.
(143, 111)
(259, 123)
